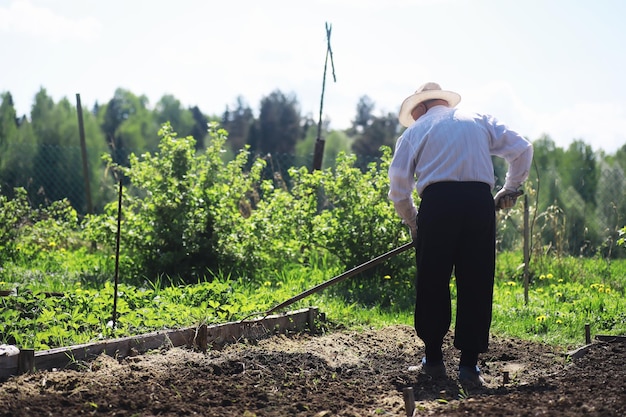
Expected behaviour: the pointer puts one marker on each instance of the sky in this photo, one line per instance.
(543, 67)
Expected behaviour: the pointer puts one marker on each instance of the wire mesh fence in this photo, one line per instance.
(48, 172)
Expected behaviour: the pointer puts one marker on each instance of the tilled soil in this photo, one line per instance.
(338, 373)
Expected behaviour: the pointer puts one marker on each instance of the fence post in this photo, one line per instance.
(83, 148)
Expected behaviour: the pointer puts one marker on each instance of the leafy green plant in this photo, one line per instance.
(557, 311)
(176, 208)
(35, 236)
(41, 320)
(51, 228)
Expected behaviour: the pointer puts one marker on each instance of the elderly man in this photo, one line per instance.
(446, 155)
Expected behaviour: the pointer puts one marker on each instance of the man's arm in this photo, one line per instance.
(402, 184)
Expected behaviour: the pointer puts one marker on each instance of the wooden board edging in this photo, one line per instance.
(203, 337)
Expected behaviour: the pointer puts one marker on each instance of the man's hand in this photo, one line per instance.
(505, 199)
(408, 213)
(412, 225)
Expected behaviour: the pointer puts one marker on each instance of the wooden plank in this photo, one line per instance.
(610, 339)
(202, 337)
(581, 351)
(220, 335)
(122, 347)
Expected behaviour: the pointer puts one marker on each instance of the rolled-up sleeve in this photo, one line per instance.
(519, 169)
(516, 150)
(401, 172)
(402, 181)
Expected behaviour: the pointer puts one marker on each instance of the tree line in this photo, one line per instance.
(41, 152)
(38, 151)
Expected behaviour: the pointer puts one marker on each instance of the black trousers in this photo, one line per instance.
(455, 231)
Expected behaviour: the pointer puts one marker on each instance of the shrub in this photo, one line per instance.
(176, 206)
(14, 214)
(28, 233)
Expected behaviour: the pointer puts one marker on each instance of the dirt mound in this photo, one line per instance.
(340, 373)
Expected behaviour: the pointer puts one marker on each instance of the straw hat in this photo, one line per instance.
(428, 91)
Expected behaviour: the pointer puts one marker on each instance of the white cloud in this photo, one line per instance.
(24, 18)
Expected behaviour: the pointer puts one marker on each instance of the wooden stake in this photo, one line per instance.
(409, 401)
(200, 341)
(26, 361)
(526, 250)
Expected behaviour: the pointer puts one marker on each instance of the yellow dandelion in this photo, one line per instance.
(560, 280)
(267, 283)
(559, 321)
(511, 283)
(559, 294)
(607, 290)
(540, 319)
(549, 276)
(542, 277)
(387, 277)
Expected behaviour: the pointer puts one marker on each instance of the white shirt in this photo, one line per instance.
(446, 144)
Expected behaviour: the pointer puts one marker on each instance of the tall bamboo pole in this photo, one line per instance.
(319, 142)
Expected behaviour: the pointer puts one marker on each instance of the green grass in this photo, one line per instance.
(558, 308)
(564, 295)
